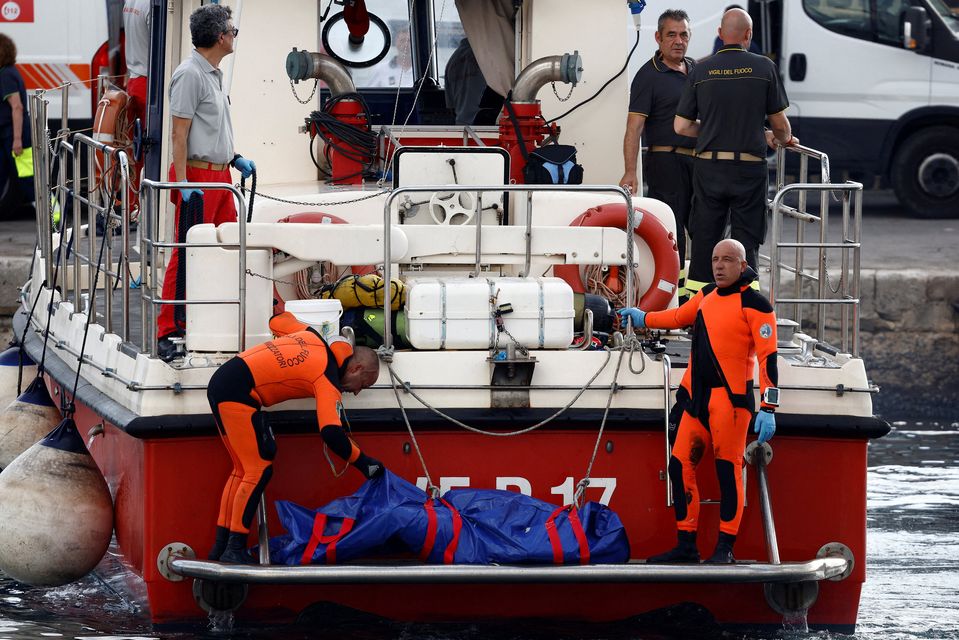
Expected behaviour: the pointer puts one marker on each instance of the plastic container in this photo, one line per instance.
(322, 315)
(457, 313)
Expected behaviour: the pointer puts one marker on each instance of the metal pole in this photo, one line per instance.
(123, 265)
(667, 365)
(242, 294)
(857, 254)
(774, 246)
(146, 260)
(75, 239)
(823, 233)
(844, 286)
(631, 224)
(478, 214)
(765, 505)
(108, 238)
(262, 533)
(800, 233)
(149, 337)
(529, 232)
(41, 185)
(64, 107)
(387, 266)
(92, 199)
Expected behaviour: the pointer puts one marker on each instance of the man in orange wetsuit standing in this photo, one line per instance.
(297, 364)
(733, 325)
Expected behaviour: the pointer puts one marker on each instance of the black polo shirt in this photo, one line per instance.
(654, 93)
(731, 93)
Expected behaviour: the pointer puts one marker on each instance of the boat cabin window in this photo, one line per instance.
(396, 69)
(449, 34)
(409, 85)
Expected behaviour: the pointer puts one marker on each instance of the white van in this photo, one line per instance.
(59, 41)
(873, 83)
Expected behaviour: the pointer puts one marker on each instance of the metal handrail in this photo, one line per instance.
(850, 247)
(848, 292)
(149, 194)
(631, 223)
(826, 568)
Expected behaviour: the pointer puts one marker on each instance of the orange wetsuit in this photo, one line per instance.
(731, 327)
(300, 364)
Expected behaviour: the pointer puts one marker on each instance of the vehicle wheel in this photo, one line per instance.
(925, 173)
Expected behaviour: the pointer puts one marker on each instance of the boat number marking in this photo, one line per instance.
(517, 483)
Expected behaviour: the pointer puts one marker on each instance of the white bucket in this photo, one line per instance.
(322, 315)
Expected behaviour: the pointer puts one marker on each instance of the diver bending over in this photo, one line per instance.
(298, 364)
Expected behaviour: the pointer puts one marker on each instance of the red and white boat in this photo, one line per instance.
(449, 217)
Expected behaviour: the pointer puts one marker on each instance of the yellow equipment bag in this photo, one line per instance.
(365, 291)
(24, 163)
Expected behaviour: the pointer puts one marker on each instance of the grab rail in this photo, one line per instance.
(847, 291)
(149, 194)
(393, 195)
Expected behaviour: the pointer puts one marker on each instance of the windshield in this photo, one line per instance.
(949, 10)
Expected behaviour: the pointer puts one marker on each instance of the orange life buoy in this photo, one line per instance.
(110, 128)
(315, 217)
(660, 241)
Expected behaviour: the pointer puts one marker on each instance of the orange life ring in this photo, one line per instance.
(660, 241)
(110, 128)
(315, 217)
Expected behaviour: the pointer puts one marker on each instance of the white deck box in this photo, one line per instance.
(457, 313)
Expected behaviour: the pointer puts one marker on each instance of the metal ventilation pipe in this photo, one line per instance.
(301, 65)
(565, 68)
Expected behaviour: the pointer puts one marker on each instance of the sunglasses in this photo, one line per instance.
(234, 31)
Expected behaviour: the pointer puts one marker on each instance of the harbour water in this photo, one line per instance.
(911, 591)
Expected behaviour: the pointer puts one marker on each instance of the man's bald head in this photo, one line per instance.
(362, 370)
(736, 28)
(731, 246)
(729, 262)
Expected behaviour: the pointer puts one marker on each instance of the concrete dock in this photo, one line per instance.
(910, 311)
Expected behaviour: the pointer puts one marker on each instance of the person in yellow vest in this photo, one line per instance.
(16, 153)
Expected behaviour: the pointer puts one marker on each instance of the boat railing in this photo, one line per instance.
(814, 288)
(152, 240)
(529, 190)
(91, 197)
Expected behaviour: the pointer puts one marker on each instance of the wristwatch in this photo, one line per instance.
(771, 397)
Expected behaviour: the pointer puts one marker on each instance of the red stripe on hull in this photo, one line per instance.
(167, 490)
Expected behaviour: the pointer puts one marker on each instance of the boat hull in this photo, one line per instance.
(166, 489)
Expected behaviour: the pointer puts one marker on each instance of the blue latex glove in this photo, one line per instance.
(765, 425)
(244, 166)
(186, 194)
(638, 316)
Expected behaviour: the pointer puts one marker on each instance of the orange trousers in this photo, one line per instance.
(248, 440)
(726, 434)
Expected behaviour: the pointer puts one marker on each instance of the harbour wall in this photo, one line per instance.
(909, 339)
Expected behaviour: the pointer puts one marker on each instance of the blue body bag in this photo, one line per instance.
(388, 515)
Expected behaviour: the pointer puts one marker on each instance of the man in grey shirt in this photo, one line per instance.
(202, 136)
(136, 25)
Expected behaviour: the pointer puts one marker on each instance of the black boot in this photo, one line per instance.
(684, 552)
(236, 552)
(724, 550)
(219, 546)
